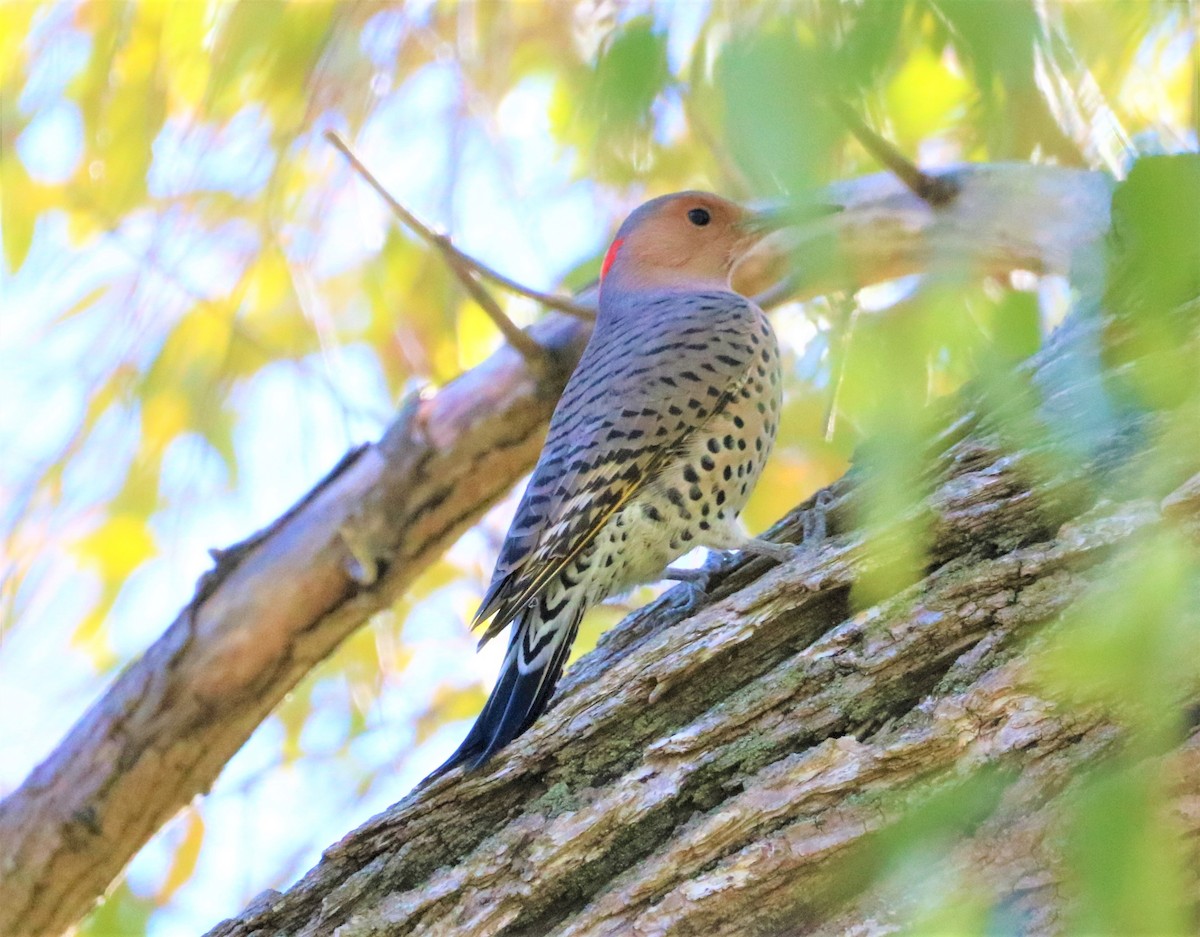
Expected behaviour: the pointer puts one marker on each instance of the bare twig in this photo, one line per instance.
(456, 258)
(458, 262)
(935, 190)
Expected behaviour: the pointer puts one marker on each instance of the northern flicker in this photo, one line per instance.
(654, 448)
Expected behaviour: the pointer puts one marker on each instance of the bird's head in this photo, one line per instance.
(688, 240)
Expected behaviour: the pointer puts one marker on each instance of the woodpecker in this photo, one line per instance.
(659, 439)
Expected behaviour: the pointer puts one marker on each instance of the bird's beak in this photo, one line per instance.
(760, 222)
(756, 267)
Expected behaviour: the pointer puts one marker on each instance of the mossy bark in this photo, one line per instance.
(723, 766)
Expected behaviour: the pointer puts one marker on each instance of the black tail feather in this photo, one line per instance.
(515, 702)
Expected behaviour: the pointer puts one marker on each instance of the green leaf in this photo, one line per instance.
(1126, 858)
(629, 75)
(1154, 280)
(776, 124)
(123, 914)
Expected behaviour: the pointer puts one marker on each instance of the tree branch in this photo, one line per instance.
(457, 260)
(936, 190)
(273, 608)
(714, 770)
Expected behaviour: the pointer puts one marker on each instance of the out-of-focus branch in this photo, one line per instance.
(280, 603)
(455, 259)
(936, 190)
(458, 260)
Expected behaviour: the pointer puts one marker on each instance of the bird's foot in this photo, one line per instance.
(779, 552)
(700, 579)
(688, 574)
(696, 580)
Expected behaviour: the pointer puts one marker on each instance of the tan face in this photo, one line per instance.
(688, 239)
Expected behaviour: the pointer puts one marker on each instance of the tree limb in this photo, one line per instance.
(717, 770)
(273, 608)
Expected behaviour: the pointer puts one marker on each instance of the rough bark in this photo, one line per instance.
(623, 775)
(710, 769)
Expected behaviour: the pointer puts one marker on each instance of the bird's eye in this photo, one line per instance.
(699, 217)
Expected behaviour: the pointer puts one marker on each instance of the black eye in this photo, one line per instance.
(699, 217)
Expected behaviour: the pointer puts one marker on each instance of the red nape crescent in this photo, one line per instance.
(610, 257)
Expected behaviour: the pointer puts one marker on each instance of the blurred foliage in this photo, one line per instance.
(210, 308)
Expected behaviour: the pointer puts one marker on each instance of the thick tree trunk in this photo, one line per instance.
(710, 769)
(664, 721)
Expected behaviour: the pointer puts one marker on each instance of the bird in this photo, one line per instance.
(655, 446)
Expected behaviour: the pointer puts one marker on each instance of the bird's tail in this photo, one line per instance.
(537, 652)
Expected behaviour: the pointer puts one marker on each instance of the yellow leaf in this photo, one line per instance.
(186, 855)
(121, 544)
(14, 26)
(18, 210)
(477, 335)
(184, 29)
(923, 94)
(192, 351)
(91, 638)
(164, 416)
(127, 111)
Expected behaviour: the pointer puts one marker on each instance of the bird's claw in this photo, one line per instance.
(779, 552)
(700, 579)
